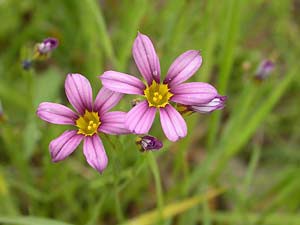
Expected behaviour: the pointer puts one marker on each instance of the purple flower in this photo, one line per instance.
(264, 69)
(90, 119)
(47, 46)
(159, 94)
(217, 103)
(149, 142)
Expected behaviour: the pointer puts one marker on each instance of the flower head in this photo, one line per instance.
(148, 142)
(89, 119)
(264, 69)
(159, 94)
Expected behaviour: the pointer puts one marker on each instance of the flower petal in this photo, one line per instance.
(94, 152)
(216, 104)
(183, 67)
(146, 58)
(139, 119)
(106, 100)
(113, 123)
(193, 93)
(79, 92)
(56, 113)
(122, 83)
(64, 145)
(172, 123)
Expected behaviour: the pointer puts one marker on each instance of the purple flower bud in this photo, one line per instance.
(47, 46)
(216, 104)
(148, 142)
(26, 64)
(264, 69)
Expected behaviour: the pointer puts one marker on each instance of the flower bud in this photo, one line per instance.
(215, 104)
(148, 142)
(43, 49)
(26, 64)
(47, 46)
(264, 69)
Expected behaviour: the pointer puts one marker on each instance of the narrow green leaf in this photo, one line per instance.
(27, 220)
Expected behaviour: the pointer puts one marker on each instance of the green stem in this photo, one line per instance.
(118, 205)
(157, 179)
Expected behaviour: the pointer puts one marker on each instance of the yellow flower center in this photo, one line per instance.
(88, 123)
(158, 95)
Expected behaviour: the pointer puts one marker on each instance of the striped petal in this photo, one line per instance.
(172, 123)
(64, 145)
(140, 119)
(56, 113)
(106, 100)
(79, 92)
(183, 67)
(113, 123)
(146, 58)
(94, 153)
(193, 93)
(122, 83)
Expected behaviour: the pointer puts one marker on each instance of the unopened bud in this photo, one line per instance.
(148, 143)
(217, 103)
(264, 69)
(47, 45)
(26, 64)
(43, 49)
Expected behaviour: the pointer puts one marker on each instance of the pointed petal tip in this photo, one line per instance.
(139, 34)
(146, 59)
(53, 160)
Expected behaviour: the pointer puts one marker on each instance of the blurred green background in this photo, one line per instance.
(236, 166)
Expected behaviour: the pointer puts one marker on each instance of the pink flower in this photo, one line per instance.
(158, 95)
(90, 119)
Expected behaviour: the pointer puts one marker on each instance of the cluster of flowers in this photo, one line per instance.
(92, 117)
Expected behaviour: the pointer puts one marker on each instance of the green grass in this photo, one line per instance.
(236, 166)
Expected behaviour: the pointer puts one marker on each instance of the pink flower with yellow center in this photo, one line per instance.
(90, 119)
(157, 94)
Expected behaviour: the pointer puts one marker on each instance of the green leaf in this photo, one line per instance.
(174, 209)
(24, 220)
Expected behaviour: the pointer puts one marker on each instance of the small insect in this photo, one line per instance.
(135, 101)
